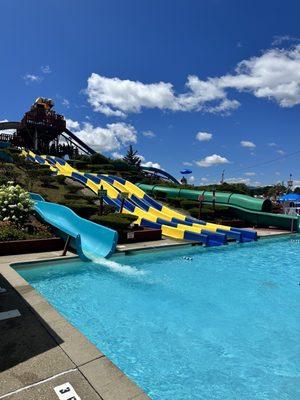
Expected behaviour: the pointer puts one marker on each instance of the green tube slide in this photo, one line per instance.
(254, 211)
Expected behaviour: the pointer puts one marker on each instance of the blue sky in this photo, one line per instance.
(204, 85)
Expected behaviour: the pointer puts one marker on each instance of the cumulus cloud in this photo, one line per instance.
(187, 163)
(204, 136)
(149, 134)
(210, 161)
(281, 152)
(279, 39)
(274, 75)
(145, 163)
(247, 143)
(250, 173)
(110, 138)
(151, 164)
(117, 155)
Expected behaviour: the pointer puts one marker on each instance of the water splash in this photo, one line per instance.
(119, 268)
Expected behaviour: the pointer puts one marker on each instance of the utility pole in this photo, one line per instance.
(222, 177)
(290, 184)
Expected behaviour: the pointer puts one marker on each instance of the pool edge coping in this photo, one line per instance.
(106, 379)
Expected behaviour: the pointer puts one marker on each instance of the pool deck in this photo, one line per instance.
(40, 350)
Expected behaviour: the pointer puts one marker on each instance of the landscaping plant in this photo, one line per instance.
(15, 204)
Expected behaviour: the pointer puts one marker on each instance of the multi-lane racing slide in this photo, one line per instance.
(149, 212)
(91, 240)
(256, 212)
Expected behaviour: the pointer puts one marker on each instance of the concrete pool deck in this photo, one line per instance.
(40, 350)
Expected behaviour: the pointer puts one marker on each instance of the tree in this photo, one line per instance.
(131, 158)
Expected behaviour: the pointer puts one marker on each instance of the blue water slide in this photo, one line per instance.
(92, 240)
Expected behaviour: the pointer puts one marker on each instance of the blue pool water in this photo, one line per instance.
(224, 325)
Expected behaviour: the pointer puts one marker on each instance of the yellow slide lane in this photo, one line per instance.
(166, 213)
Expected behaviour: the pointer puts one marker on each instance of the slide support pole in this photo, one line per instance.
(66, 246)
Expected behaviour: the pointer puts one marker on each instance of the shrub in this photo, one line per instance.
(81, 165)
(8, 231)
(38, 230)
(188, 204)
(118, 222)
(73, 196)
(74, 188)
(84, 210)
(98, 158)
(48, 181)
(174, 201)
(60, 179)
(108, 209)
(15, 204)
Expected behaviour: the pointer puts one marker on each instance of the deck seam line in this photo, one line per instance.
(38, 383)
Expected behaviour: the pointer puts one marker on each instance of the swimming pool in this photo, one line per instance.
(190, 323)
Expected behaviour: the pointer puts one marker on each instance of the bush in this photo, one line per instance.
(15, 204)
(118, 222)
(99, 159)
(120, 165)
(73, 196)
(174, 201)
(9, 231)
(74, 188)
(81, 165)
(48, 181)
(84, 210)
(60, 179)
(188, 204)
(107, 209)
(38, 230)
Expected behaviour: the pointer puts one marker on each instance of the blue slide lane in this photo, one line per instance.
(92, 240)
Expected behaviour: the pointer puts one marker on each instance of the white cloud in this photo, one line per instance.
(273, 75)
(277, 173)
(203, 136)
(279, 39)
(31, 78)
(151, 164)
(250, 173)
(117, 155)
(281, 152)
(111, 138)
(72, 125)
(246, 181)
(187, 163)
(46, 69)
(272, 144)
(210, 161)
(149, 134)
(191, 179)
(247, 143)
(204, 179)
(145, 163)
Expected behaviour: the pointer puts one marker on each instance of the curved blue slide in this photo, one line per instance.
(92, 240)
